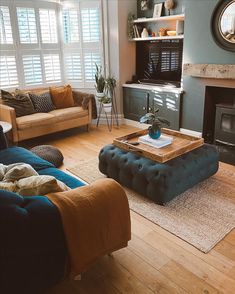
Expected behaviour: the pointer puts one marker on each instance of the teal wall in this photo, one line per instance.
(199, 47)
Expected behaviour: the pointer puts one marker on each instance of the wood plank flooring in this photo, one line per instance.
(155, 260)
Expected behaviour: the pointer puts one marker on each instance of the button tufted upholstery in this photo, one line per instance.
(159, 182)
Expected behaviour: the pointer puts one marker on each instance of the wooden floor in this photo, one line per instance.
(155, 260)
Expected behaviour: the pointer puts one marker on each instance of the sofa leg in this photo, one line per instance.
(88, 127)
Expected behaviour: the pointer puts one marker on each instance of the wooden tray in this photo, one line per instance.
(181, 144)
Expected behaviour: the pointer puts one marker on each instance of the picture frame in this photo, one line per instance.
(157, 10)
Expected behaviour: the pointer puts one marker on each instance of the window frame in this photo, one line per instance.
(19, 50)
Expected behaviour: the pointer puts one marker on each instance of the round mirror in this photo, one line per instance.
(223, 24)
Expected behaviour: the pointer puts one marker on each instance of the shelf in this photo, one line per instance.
(162, 18)
(158, 38)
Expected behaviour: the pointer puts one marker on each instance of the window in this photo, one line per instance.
(70, 25)
(90, 59)
(8, 72)
(34, 51)
(27, 25)
(90, 25)
(48, 25)
(52, 68)
(5, 26)
(82, 34)
(73, 69)
(32, 69)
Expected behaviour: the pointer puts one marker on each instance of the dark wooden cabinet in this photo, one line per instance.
(137, 102)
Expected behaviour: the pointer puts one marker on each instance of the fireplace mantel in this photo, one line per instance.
(210, 71)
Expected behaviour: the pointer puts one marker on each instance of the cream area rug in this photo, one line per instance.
(202, 216)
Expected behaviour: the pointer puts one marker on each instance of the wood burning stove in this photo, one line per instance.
(225, 124)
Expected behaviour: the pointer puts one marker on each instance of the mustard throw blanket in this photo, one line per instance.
(96, 221)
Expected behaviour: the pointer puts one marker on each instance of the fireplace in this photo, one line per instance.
(225, 124)
(219, 121)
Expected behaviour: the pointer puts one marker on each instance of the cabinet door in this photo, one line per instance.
(135, 103)
(169, 107)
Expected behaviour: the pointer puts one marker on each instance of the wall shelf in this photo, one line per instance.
(162, 18)
(158, 38)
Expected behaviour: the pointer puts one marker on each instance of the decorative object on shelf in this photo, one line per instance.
(169, 4)
(100, 81)
(157, 10)
(144, 5)
(162, 32)
(179, 27)
(171, 33)
(155, 129)
(144, 33)
(130, 26)
(223, 24)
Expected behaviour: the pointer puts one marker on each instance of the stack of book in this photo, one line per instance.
(136, 32)
(157, 143)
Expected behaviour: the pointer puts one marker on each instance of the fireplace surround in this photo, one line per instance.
(218, 82)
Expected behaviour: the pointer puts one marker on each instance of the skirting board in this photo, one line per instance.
(190, 132)
(103, 120)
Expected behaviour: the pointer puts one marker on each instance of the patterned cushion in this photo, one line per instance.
(42, 102)
(20, 102)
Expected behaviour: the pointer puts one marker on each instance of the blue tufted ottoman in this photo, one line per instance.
(160, 182)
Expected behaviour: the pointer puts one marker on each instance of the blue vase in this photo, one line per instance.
(154, 134)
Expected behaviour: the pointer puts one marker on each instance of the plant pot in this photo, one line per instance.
(154, 134)
(107, 107)
(100, 95)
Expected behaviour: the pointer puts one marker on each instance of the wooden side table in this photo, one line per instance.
(6, 127)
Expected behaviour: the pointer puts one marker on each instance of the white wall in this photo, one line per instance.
(121, 50)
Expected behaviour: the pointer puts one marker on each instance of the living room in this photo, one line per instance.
(87, 205)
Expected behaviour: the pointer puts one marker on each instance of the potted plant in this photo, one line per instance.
(156, 121)
(100, 82)
(107, 103)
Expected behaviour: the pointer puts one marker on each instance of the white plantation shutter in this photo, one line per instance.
(90, 18)
(52, 68)
(90, 59)
(73, 67)
(71, 25)
(5, 26)
(8, 72)
(48, 25)
(27, 25)
(32, 69)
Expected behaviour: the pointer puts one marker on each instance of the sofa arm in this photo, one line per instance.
(32, 249)
(87, 101)
(8, 114)
(96, 221)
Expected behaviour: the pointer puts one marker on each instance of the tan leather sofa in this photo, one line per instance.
(38, 124)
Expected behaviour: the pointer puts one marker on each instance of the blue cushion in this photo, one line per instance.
(18, 154)
(70, 181)
(33, 248)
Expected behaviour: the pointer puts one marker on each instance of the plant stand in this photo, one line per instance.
(110, 119)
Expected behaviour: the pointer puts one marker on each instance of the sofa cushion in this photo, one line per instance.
(35, 120)
(20, 102)
(62, 97)
(19, 154)
(42, 102)
(69, 113)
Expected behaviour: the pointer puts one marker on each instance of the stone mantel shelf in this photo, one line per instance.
(212, 71)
